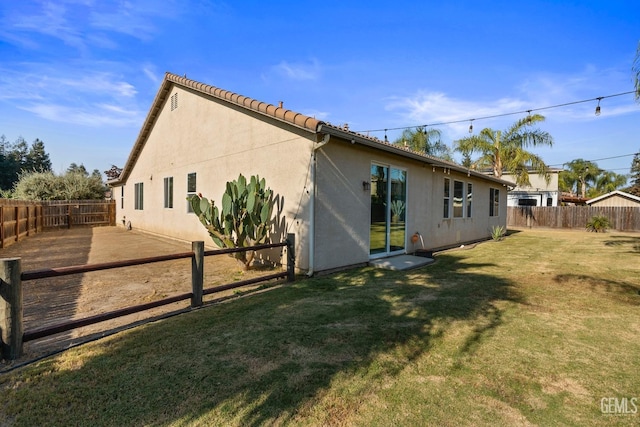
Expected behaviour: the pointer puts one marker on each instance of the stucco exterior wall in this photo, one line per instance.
(217, 142)
(539, 190)
(343, 206)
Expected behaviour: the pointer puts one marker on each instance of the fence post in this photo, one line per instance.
(17, 224)
(291, 257)
(197, 273)
(11, 308)
(1, 227)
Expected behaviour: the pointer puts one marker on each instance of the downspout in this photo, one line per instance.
(312, 204)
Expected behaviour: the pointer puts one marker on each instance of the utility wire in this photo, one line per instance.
(596, 160)
(599, 98)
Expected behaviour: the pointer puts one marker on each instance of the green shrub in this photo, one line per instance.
(497, 232)
(598, 224)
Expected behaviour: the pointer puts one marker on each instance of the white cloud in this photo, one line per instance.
(85, 24)
(78, 96)
(299, 71)
(434, 108)
(537, 93)
(151, 72)
(98, 115)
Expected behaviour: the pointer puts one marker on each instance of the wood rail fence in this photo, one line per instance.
(19, 219)
(620, 218)
(11, 278)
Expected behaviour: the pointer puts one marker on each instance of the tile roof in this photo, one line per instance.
(280, 113)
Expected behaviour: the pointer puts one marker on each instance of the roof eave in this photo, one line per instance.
(400, 151)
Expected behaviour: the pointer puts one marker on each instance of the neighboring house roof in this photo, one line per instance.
(279, 113)
(615, 193)
(570, 198)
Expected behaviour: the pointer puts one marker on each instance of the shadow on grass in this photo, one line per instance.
(628, 293)
(269, 358)
(632, 241)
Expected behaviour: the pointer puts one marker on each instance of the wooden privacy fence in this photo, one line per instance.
(11, 278)
(22, 218)
(620, 218)
(17, 220)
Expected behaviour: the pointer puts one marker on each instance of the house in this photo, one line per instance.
(615, 199)
(538, 193)
(347, 197)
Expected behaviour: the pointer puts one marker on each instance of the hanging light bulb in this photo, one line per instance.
(385, 136)
(598, 106)
(529, 117)
(471, 126)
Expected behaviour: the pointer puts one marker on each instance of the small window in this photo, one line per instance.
(527, 202)
(469, 198)
(447, 198)
(549, 201)
(122, 197)
(458, 199)
(174, 101)
(168, 192)
(494, 202)
(139, 196)
(191, 188)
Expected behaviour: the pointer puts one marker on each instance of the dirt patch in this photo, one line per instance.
(56, 300)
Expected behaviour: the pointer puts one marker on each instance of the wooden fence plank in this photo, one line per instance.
(621, 218)
(20, 218)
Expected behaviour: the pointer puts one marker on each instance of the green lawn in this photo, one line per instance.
(533, 330)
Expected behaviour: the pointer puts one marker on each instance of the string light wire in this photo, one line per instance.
(599, 98)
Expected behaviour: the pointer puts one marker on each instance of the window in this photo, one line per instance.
(527, 202)
(191, 188)
(494, 202)
(168, 192)
(447, 198)
(122, 197)
(469, 198)
(174, 101)
(458, 199)
(139, 196)
(549, 201)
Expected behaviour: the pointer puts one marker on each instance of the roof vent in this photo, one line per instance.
(174, 101)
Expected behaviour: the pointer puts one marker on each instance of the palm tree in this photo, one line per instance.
(635, 68)
(505, 151)
(427, 141)
(606, 182)
(578, 175)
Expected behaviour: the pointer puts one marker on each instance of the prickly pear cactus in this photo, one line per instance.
(243, 219)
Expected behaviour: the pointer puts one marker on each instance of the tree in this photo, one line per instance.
(635, 176)
(606, 182)
(506, 151)
(427, 141)
(73, 167)
(49, 186)
(114, 172)
(635, 68)
(577, 176)
(588, 180)
(19, 157)
(37, 158)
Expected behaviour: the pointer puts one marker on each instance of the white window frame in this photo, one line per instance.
(168, 192)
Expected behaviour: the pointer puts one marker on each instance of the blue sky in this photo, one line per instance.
(82, 74)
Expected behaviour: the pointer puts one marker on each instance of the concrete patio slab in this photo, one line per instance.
(401, 262)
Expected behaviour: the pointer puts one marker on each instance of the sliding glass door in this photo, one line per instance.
(388, 210)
